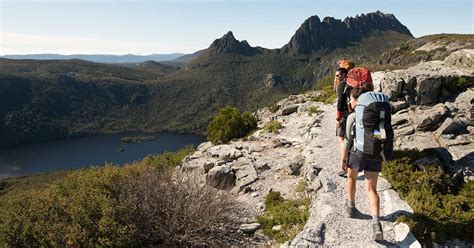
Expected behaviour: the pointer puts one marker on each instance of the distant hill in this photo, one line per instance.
(99, 58)
(426, 48)
(52, 99)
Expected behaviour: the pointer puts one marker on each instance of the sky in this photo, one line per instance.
(185, 26)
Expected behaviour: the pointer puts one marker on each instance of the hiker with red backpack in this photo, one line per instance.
(368, 141)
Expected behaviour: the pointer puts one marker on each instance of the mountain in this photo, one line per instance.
(99, 58)
(315, 35)
(228, 44)
(68, 98)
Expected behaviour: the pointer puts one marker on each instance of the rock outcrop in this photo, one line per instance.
(433, 105)
(330, 33)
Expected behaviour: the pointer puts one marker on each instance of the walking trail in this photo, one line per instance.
(328, 225)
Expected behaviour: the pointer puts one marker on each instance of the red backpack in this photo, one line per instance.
(358, 76)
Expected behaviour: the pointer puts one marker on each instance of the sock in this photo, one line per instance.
(375, 219)
(351, 204)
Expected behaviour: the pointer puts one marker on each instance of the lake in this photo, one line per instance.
(87, 151)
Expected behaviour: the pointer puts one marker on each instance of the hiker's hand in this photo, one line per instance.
(344, 166)
(338, 124)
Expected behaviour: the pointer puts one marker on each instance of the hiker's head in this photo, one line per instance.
(341, 74)
(356, 92)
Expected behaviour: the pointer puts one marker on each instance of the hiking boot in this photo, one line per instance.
(342, 174)
(377, 231)
(351, 211)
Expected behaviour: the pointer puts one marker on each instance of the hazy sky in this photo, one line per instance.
(145, 27)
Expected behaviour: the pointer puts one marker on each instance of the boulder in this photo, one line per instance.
(208, 166)
(418, 141)
(262, 166)
(295, 165)
(465, 103)
(403, 131)
(459, 146)
(428, 119)
(249, 228)
(400, 119)
(397, 106)
(451, 126)
(281, 142)
(428, 90)
(224, 152)
(222, 178)
(204, 146)
(392, 85)
(245, 173)
(289, 110)
(463, 59)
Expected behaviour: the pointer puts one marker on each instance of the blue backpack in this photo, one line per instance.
(373, 127)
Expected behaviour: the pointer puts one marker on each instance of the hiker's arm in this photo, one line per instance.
(348, 138)
(341, 100)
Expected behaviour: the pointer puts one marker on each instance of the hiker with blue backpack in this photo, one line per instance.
(368, 141)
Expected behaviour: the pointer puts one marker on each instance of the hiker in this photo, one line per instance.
(374, 120)
(341, 106)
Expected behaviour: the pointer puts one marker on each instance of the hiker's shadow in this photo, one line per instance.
(361, 216)
(387, 243)
(393, 216)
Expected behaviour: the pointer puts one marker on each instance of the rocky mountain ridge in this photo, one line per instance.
(330, 33)
(228, 44)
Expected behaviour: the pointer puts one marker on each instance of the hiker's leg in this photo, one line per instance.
(351, 184)
(371, 187)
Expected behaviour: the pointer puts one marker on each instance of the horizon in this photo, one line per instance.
(82, 27)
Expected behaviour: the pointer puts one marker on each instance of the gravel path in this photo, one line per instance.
(328, 224)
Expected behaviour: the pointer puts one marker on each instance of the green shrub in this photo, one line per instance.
(83, 209)
(230, 124)
(273, 127)
(168, 159)
(326, 86)
(141, 204)
(460, 84)
(441, 204)
(314, 110)
(274, 108)
(288, 213)
(301, 186)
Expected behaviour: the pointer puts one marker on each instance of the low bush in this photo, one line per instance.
(326, 86)
(301, 186)
(274, 108)
(442, 204)
(313, 110)
(230, 124)
(291, 215)
(273, 127)
(140, 204)
(460, 84)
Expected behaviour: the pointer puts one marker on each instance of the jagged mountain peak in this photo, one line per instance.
(330, 33)
(228, 44)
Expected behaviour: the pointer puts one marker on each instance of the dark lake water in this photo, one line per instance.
(87, 151)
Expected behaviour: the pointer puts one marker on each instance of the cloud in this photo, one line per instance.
(14, 43)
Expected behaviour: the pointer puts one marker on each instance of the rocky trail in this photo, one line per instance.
(328, 224)
(304, 149)
(433, 108)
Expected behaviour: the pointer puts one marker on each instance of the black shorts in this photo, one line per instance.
(359, 164)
